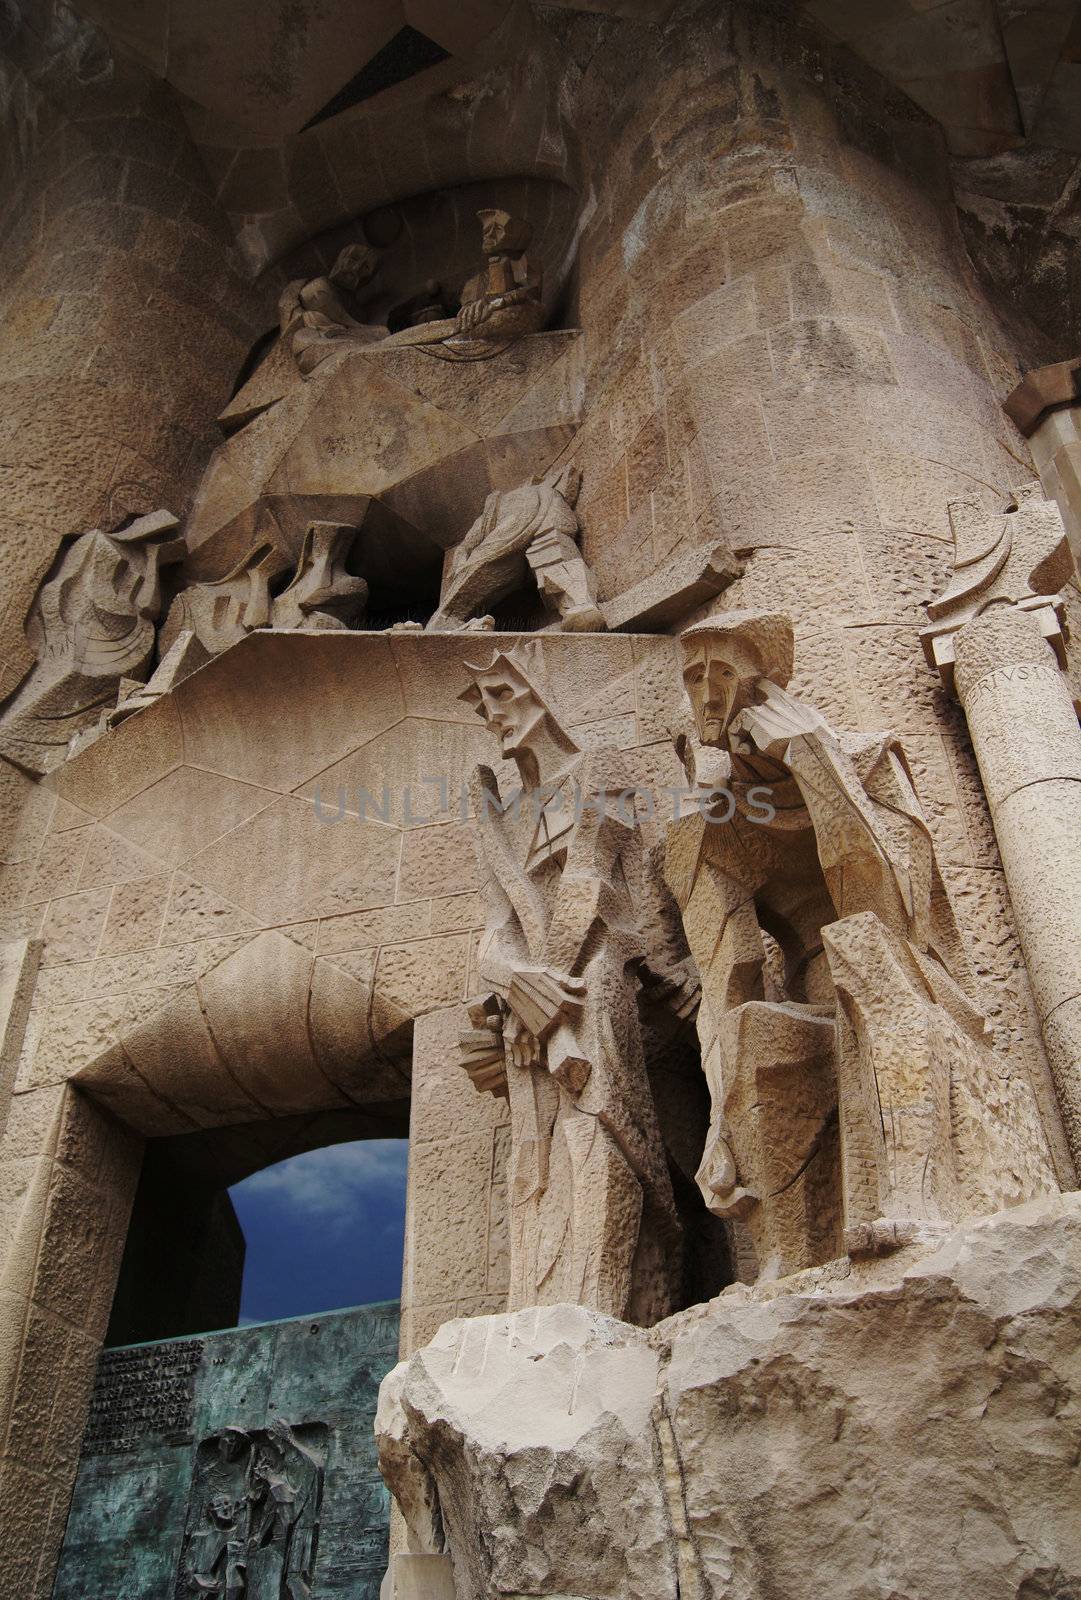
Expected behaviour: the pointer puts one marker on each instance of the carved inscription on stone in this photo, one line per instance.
(141, 1394)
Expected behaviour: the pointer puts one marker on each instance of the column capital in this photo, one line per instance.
(1011, 562)
(1042, 390)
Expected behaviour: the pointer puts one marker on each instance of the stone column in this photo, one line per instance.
(1028, 744)
(1046, 406)
(996, 638)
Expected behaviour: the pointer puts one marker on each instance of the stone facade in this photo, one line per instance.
(667, 383)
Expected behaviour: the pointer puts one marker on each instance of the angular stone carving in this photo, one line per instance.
(1019, 558)
(318, 317)
(679, 588)
(500, 303)
(533, 528)
(592, 1217)
(844, 1049)
(1046, 407)
(221, 613)
(764, 1443)
(253, 1514)
(322, 594)
(91, 625)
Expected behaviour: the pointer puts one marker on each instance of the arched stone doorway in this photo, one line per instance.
(221, 947)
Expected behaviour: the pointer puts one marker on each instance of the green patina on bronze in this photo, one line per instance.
(240, 1464)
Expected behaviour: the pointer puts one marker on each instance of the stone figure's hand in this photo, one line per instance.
(540, 997)
(482, 1046)
(523, 1047)
(777, 721)
(472, 315)
(718, 1169)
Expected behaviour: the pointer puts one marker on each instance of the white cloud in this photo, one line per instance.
(334, 1183)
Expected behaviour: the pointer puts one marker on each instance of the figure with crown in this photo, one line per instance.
(592, 1216)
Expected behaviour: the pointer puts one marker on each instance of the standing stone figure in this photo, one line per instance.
(852, 1086)
(592, 1217)
(533, 528)
(91, 625)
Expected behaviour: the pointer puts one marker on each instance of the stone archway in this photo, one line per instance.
(220, 947)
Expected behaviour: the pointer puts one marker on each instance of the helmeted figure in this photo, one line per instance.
(502, 300)
(841, 1035)
(592, 1217)
(530, 529)
(500, 303)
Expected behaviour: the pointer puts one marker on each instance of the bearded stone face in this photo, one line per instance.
(718, 685)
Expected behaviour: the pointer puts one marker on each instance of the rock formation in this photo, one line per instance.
(832, 1430)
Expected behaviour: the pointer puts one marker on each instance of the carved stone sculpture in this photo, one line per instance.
(319, 317)
(183, 657)
(500, 303)
(842, 1041)
(221, 613)
(533, 528)
(504, 298)
(91, 625)
(253, 1515)
(592, 1217)
(322, 593)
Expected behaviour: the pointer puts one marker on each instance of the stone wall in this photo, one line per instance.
(124, 315)
(786, 344)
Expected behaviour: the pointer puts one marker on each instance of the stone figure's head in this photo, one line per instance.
(357, 264)
(232, 1443)
(223, 1510)
(508, 694)
(724, 658)
(504, 235)
(503, 694)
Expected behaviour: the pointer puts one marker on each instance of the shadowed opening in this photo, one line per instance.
(266, 1220)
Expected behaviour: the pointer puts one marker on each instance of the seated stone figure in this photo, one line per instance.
(853, 1090)
(319, 316)
(500, 303)
(503, 300)
(531, 528)
(591, 1213)
(91, 626)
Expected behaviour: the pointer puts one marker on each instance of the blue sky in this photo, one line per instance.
(323, 1230)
